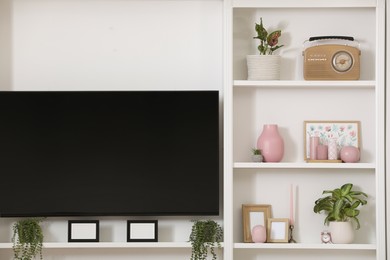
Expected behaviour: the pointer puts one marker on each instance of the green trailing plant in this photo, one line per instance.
(341, 204)
(27, 239)
(268, 42)
(205, 235)
(256, 151)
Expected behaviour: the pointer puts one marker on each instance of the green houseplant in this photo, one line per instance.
(205, 235)
(265, 66)
(341, 206)
(268, 41)
(27, 239)
(256, 155)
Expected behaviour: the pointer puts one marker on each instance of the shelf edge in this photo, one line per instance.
(305, 246)
(304, 83)
(65, 245)
(304, 4)
(303, 165)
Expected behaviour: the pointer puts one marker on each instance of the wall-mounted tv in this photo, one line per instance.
(109, 153)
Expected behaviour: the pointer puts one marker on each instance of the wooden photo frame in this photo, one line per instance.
(277, 230)
(252, 215)
(346, 133)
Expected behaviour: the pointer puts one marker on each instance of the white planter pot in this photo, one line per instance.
(263, 67)
(341, 232)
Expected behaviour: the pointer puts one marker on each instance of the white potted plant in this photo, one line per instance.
(256, 155)
(341, 206)
(265, 65)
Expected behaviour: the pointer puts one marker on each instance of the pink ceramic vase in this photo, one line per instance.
(350, 154)
(271, 144)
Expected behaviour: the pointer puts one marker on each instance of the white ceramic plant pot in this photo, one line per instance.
(341, 232)
(263, 67)
(257, 158)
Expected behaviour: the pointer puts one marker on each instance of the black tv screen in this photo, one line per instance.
(109, 153)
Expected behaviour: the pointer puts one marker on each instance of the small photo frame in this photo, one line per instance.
(142, 231)
(277, 230)
(253, 215)
(83, 231)
(347, 133)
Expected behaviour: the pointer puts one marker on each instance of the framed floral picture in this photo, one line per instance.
(347, 133)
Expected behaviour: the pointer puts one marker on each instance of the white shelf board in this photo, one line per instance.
(305, 246)
(303, 165)
(305, 83)
(59, 245)
(303, 3)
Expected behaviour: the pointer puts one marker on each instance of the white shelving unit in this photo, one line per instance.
(291, 101)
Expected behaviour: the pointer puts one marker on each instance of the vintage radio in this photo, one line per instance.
(331, 58)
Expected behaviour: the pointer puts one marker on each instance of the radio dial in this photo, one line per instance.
(342, 61)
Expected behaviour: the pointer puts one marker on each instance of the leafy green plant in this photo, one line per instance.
(256, 151)
(205, 235)
(341, 205)
(27, 239)
(268, 42)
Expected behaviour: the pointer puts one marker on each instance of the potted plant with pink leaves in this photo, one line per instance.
(266, 64)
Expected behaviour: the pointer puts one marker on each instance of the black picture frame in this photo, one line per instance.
(142, 231)
(83, 230)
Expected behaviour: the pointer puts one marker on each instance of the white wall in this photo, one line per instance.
(5, 44)
(111, 45)
(116, 44)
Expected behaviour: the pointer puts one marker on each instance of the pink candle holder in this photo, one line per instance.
(322, 152)
(314, 141)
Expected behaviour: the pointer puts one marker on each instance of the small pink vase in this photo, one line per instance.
(350, 154)
(271, 144)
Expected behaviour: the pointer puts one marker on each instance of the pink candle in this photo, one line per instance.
(291, 206)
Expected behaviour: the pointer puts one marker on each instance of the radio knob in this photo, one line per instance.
(342, 61)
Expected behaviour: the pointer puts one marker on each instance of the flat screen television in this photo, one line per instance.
(109, 153)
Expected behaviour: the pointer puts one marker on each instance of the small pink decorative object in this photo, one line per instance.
(350, 154)
(259, 234)
(292, 209)
(322, 152)
(332, 149)
(271, 144)
(314, 141)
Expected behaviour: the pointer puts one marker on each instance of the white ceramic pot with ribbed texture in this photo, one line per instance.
(263, 67)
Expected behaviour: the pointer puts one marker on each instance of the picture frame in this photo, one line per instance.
(277, 230)
(83, 231)
(142, 231)
(252, 215)
(346, 133)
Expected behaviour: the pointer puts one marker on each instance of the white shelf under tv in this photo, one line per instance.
(59, 245)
